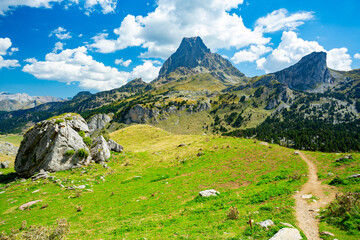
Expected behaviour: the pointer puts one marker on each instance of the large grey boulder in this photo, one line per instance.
(114, 146)
(100, 150)
(287, 234)
(98, 121)
(53, 145)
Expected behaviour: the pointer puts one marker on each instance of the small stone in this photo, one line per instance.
(209, 193)
(182, 145)
(296, 153)
(327, 233)
(307, 196)
(287, 225)
(26, 205)
(36, 191)
(266, 223)
(2, 192)
(4, 164)
(355, 176)
(81, 187)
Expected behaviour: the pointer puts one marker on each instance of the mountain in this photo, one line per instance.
(12, 102)
(306, 106)
(193, 57)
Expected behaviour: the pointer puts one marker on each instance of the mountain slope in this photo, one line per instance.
(193, 57)
(13, 102)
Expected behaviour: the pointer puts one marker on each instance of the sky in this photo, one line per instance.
(62, 47)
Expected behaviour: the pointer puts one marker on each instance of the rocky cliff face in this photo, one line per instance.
(98, 122)
(309, 73)
(53, 145)
(194, 57)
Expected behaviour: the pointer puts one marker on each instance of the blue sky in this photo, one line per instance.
(61, 47)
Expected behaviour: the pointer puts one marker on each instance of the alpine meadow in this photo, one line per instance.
(173, 119)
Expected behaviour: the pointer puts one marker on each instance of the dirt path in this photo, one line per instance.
(305, 211)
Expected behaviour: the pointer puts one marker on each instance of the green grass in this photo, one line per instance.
(151, 190)
(12, 138)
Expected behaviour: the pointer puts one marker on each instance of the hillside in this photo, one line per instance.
(199, 92)
(151, 190)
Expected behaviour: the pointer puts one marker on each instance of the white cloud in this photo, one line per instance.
(281, 20)
(291, 49)
(60, 33)
(10, 5)
(121, 62)
(5, 44)
(13, 50)
(357, 56)
(147, 71)
(339, 59)
(108, 6)
(161, 31)
(250, 55)
(75, 65)
(58, 46)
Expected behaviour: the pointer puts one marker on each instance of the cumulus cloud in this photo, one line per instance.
(161, 31)
(9, 5)
(357, 56)
(282, 20)
(5, 44)
(75, 65)
(250, 55)
(292, 48)
(106, 6)
(58, 46)
(339, 59)
(60, 33)
(122, 62)
(146, 71)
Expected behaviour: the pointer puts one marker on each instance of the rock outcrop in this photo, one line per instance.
(114, 146)
(310, 72)
(8, 149)
(4, 164)
(97, 122)
(100, 152)
(53, 145)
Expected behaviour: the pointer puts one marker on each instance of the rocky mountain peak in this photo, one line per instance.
(309, 73)
(194, 57)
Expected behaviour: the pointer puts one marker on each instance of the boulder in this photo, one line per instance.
(114, 146)
(53, 145)
(355, 176)
(266, 223)
(287, 234)
(26, 205)
(209, 193)
(100, 150)
(4, 164)
(97, 122)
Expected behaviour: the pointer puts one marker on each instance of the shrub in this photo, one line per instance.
(68, 118)
(70, 152)
(83, 153)
(82, 134)
(88, 141)
(233, 213)
(60, 120)
(344, 212)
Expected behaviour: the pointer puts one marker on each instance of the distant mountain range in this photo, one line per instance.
(306, 106)
(16, 101)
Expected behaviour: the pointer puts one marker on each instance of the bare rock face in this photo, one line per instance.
(98, 121)
(114, 146)
(53, 145)
(100, 152)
